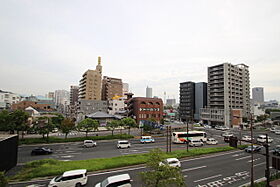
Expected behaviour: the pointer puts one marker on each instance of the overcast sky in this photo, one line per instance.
(47, 45)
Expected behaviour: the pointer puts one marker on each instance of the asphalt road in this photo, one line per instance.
(224, 169)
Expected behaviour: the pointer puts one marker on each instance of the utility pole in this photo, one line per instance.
(267, 172)
(252, 155)
(170, 134)
(167, 138)
(188, 135)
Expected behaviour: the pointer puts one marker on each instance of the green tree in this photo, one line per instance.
(19, 121)
(67, 125)
(44, 126)
(129, 123)
(3, 180)
(112, 125)
(161, 175)
(57, 120)
(87, 125)
(5, 121)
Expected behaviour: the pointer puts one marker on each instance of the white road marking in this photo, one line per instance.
(185, 175)
(190, 169)
(94, 174)
(259, 164)
(215, 176)
(243, 158)
(67, 156)
(254, 160)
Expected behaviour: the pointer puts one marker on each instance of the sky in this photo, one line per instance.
(47, 45)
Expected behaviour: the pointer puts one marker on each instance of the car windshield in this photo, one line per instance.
(123, 142)
(104, 183)
(57, 179)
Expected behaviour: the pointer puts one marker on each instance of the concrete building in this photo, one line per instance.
(7, 99)
(62, 97)
(74, 95)
(142, 108)
(86, 107)
(149, 92)
(200, 98)
(228, 95)
(116, 106)
(90, 84)
(125, 88)
(170, 102)
(50, 95)
(187, 101)
(22, 105)
(257, 110)
(111, 87)
(258, 95)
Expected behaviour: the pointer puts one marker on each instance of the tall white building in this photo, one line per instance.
(228, 95)
(62, 97)
(7, 99)
(125, 88)
(258, 95)
(149, 92)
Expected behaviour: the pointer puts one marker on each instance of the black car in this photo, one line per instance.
(276, 151)
(255, 148)
(41, 151)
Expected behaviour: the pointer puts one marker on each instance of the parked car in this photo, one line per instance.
(211, 141)
(123, 144)
(195, 143)
(70, 178)
(147, 139)
(89, 143)
(246, 138)
(277, 132)
(122, 180)
(173, 162)
(272, 129)
(262, 139)
(41, 151)
(253, 148)
(276, 151)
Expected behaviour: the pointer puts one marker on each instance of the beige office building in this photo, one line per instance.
(228, 95)
(90, 84)
(111, 87)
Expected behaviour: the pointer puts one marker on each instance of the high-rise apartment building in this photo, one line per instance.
(111, 87)
(228, 95)
(258, 96)
(187, 101)
(90, 84)
(149, 92)
(200, 98)
(62, 97)
(74, 95)
(7, 99)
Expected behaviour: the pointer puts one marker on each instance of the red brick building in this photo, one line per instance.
(24, 104)
(142, 108)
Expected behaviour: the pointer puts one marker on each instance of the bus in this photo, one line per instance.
(183, 137)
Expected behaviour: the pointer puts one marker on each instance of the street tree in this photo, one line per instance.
(161, 175)
(67, 125)
(87, 125)
(5, 121)
(129, 123)
(19, 121)
(44, 126)
(112, 125)
(57, 120)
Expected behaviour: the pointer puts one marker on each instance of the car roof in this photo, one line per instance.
(88, 140)
(74, 172)
(146, 137)
(171, 159)
(122, 141)
(211, 138)
(117, 178)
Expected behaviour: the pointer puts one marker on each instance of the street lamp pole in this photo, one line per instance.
(252, 155)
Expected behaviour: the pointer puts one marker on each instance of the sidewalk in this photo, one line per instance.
(275, 183)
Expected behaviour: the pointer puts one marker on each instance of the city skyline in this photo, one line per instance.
(47, 46)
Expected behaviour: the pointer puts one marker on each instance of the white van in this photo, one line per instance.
(195, 143)
(71, 178)
(116, 181)
(123, 144)
(89, 143)
(262, 139)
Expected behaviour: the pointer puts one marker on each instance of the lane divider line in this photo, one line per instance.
(215, 176)
(190, 169)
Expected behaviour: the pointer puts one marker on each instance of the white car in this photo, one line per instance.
(195, 143)
(123, 144)
(246, 138)
(277, 132)
(70, 178)
(211, 141)
(89, 143)
(262, 139)
(173, 162)
(226, 134)
(122, 180)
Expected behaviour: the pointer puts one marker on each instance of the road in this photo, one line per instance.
(224, 169)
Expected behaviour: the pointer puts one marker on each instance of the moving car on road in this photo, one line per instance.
(115, 181)
(262, 139)
(195, 143)
(226, 134)
(173, 162)
(276, 151)
(246, 138)
(89, 143)
(71, 178)
(253, 148)
(147, 139)
(211, 141)
(41, 151)
(123, 144)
